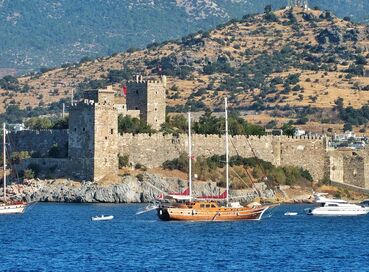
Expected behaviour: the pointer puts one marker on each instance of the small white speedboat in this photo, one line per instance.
(102, 218)
(290, 213)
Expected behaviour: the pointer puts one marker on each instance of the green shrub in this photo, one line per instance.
(56, 152)
(29, 174)
(17, 157)
(127, 124)
(180, 163)
(140, 177)
(35, 168)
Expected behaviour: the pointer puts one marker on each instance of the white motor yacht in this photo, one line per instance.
(338, 209)
(335, 207)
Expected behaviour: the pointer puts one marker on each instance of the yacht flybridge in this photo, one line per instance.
(8, 207)
(335, 207)
(209, 208)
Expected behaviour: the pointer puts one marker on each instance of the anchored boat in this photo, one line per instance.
(210, 211)
(210, 208)
(102, 218)
(9, 207)
(338, 209)
(335, 207)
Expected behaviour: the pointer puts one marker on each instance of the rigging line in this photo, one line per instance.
(240, 177)
(156, 188)
(256, 157)
(238, 154)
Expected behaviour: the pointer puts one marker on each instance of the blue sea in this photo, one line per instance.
(61, 237)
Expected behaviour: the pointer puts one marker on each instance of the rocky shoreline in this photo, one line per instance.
(135, 189)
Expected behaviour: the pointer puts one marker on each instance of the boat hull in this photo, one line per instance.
(221, 214)
(323, 211)
(341, 213)
(12, 208)
(105, 218)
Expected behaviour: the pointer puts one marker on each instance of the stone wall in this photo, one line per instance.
(49, 167)
(153, 150)
(350, 167)
(37, 141)
(353, 170)
(93, 149)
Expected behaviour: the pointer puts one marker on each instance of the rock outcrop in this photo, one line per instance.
(131, 189)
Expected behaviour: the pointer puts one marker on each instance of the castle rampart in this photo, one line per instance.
(152, 150)
(93, 150)
(38, 142)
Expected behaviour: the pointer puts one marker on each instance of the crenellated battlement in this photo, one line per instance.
(144, 82)
(139, 81)
(282, 138)
(85, 103)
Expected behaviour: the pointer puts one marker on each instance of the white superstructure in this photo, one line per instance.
(338, 209)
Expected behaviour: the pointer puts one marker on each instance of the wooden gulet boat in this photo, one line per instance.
(8, 207)
(210, 210)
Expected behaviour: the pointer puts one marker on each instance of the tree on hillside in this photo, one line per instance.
(268, 9)
(127, 124)
(347, 127)
(288, 129)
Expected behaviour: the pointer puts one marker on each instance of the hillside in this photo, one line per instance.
(47, 33)
(288, 64)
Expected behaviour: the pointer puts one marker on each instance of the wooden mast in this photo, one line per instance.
(4, 160)
(189, 156)
(226, 146)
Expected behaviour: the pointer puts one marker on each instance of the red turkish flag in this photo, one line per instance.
(125, 90)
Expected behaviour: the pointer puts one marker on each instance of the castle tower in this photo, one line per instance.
(93, 132)
(149, 98)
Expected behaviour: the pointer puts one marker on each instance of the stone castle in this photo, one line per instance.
(93, 124)
(93, 141)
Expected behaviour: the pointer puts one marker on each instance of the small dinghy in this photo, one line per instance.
(102, 218)
(290, 213)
